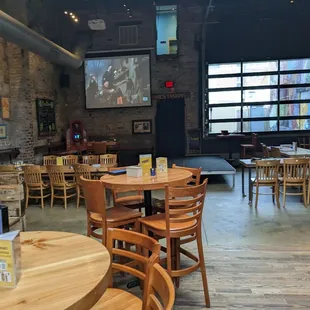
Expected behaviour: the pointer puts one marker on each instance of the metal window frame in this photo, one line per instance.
(208, 121)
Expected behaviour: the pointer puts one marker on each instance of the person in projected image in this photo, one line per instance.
(109, 94)
(108, 76)
(92, 90)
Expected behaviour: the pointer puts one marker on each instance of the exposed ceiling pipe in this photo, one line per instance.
(19, 34)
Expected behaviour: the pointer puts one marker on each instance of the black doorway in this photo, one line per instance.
(170, 128)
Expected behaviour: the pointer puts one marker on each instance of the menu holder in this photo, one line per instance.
(10, 269)
(145, 162)
(162, 165)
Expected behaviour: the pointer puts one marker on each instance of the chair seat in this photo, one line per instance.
(116, 299)
(248, 146)
(116, 214)
(158, 221)
(268, 183)
(69, 184)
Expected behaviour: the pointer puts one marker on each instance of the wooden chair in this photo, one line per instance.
(49, 160)
(100, 148)
(182, 218)
(34, 183)
(122, 197)
(303, 142)
(159, 204)
(247, 147)
(267, 174)
(155, 277)
(275, 152)
(108, 160)
(70, 160)
(97, 215)
(84, 171)
(265, 150)
(59, 183)
(295, 175)
(90, 159)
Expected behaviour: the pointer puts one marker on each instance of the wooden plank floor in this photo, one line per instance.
(250, 278)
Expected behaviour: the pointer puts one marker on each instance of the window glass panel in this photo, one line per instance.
(166, 26)
(295, 109)
(299, 93)
(225, 97)
(295, 64)
(260, 111)
(260, 95)
(225, 68)
(260, 66)
(218, 127)
(297, 78)
(294, 124)
(224, 113)
(225, 82)
(259, 126)
(261, 80)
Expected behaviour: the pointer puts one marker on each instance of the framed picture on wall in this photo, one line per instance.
(3, 131)
(5, 108)
(142, 127)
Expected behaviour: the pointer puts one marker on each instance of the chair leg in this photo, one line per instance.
(169, 256)
(27, 197)
(65, 197)
(273, 193)
(203, 267)
(177, 260)
(256, 198)
(42, 199)
(52, 197)
(277, 194)
(304, 191)
(78, 193)
(284, 195)
(308, 198)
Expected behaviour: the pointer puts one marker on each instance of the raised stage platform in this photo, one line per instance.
(211, 165)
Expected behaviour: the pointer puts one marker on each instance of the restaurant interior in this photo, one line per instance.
(154, 155)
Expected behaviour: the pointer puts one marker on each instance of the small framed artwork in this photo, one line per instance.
(5, 108)
(3, 131)
(142, 127)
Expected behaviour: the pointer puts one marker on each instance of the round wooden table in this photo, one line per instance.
(174, 177)
(59, 271)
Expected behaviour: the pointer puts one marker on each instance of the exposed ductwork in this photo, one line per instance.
(19, 34)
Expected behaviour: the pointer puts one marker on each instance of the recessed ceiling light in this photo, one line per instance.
(66, 12)
(76, 20)
(124, 5)
(71, 13)
(73, 16)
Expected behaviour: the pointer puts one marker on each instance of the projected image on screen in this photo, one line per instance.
(115, 82)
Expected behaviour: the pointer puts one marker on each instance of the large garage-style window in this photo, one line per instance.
(259, 96)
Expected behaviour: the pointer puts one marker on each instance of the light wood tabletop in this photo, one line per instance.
(59, 271)
(301, 152)
(173, 177)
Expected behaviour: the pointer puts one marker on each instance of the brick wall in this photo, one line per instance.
(183, 70)
(25, 76)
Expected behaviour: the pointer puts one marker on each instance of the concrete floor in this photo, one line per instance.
(227, 218)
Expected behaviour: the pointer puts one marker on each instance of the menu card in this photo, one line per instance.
(10, 270)
(145, 162)
(59, 161)
(161, 164)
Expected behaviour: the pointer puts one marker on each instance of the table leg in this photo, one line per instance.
(148, 203)
(250, 176)
(242, 182)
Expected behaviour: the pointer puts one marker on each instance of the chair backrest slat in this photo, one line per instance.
(184, 204)
(32, 175)
(81, 170)
(143, 245)
(108, 160)
(295, 169)
(267, 170)
(90, 159)
(70, 160)
(196, 173)
(56, 174)
(49, 160)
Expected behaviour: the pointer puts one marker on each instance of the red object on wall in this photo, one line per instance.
(76, 139)
(169, 84)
